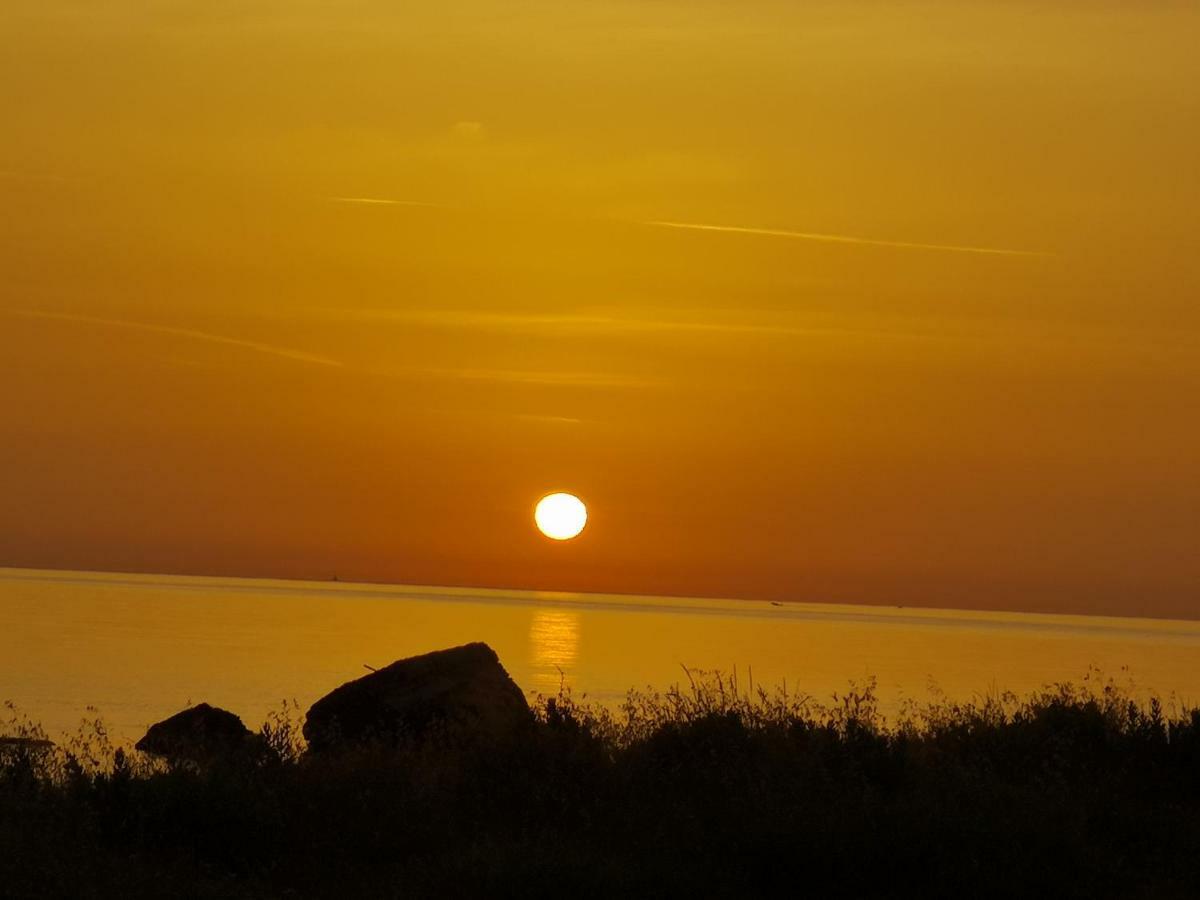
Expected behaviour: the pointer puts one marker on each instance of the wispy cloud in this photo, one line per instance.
(841, 239)
(591, 325)
(543, 378)
(547, 419)
(821, 237)
(173, 331)
(525, 322)
(383, 201)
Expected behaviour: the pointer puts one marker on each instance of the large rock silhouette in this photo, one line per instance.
(462, 692)
(198, 734)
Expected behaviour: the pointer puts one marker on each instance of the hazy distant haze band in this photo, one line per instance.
(1169, 629)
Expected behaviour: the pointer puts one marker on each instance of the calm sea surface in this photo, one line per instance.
(140, 647)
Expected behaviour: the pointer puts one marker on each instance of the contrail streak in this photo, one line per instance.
(761, 232)
(842, 239)
(380, 201)
(191, 334)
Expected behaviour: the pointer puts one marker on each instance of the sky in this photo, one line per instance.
(857, 301)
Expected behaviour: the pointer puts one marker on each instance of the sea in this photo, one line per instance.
(132, 649)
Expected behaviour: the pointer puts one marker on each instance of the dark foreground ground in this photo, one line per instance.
(1074, 792)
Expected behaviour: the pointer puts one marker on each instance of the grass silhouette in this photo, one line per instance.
(705, 790)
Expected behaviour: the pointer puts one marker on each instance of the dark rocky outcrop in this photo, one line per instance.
(199, 734)
(463, 691)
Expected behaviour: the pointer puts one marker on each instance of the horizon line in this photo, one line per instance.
(588, 599)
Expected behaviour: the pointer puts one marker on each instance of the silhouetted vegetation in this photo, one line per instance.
(704, 791)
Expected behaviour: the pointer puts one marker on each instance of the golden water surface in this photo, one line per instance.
(139, 647)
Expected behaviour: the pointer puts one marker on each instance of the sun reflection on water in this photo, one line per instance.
(554, 646)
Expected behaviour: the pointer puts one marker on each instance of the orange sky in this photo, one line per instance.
(214, 358)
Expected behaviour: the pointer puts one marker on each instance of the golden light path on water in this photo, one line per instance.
(553, 647)
(140, 647)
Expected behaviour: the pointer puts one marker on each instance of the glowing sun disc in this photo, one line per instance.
(560, 516)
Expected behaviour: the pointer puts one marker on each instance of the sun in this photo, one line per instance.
(560, 516)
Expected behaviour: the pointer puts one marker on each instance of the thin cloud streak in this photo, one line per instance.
(545, 379)
(760, 232)
(553, 420)
(383, 201)
(189, 333)
(591, 325)
(841, 239)
(556, 324)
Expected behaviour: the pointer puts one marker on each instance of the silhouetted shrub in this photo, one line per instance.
(708, 789)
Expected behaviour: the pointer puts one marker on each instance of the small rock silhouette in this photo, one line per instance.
(198, 735)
